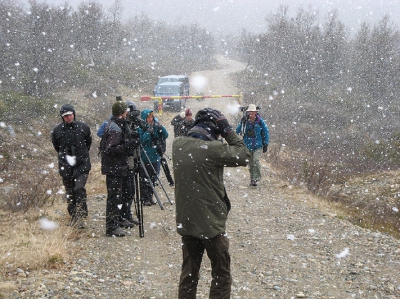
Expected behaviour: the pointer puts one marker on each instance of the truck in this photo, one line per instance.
(170, 89)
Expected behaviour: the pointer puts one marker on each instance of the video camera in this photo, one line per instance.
(133, 117)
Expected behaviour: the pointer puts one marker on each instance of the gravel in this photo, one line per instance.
(283, 245)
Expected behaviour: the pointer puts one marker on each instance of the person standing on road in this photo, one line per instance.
(202, 204)
(72, 140)
(153, 147)
(187, 123)
(256, 137)
(126, 217)
(183, 123)
(177, 122)
(116, 147)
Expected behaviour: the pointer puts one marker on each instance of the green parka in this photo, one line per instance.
(202, 204)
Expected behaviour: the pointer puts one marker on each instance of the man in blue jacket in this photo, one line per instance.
(256, 137)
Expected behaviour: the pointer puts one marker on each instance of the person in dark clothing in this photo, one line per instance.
(72, 140)
(126, 218)
(202, 204)
(177, 122)
(116, 147)
(153, 142)
(183, 123)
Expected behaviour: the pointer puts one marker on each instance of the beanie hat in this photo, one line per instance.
(182, 115)
(188, 112)
(119, 108)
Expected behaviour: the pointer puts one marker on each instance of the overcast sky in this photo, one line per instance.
(227, 16)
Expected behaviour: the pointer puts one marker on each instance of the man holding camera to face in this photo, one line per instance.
(202, 204)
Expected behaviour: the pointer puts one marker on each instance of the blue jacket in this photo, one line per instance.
(100, 131)
(255, 134)
(149, 140)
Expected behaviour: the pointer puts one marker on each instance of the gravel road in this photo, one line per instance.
(284, 244)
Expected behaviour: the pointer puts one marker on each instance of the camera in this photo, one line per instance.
(134, 118)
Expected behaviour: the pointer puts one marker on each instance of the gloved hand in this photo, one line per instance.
(223, 127)
(150, 130)
(265, 148)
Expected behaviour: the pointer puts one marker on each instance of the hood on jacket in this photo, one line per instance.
(67, 109)
(145, 113)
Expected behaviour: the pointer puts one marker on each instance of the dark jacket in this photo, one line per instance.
(114, 159)
(255, 134)
(202, 204)
(149, 140)
(176, 122)
(72, 142)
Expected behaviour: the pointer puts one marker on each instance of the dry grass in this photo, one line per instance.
(28, 245)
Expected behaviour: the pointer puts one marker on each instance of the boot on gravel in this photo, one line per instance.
(125, 223)
(118, 232)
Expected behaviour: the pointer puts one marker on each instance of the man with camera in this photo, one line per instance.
(72, 140)
(117, 146)
(152, 140)
(202, 204)
(256, 137)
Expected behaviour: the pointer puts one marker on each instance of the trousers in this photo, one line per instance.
(218, 252)
(76, 195)
(255, 165)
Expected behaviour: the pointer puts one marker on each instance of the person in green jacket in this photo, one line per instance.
(202, 204)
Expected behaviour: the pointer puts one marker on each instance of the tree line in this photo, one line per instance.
(46, 48)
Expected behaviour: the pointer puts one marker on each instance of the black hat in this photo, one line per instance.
(67, 109)
(205, 125)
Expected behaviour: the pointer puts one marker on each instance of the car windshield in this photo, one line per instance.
(168, 89)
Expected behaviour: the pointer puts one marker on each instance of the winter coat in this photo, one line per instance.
(72, 143)
(202, 204)
(114, 159)
(255, 134)
(176, 122)
(149, 141)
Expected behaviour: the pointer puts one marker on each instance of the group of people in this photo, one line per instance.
(199, 158)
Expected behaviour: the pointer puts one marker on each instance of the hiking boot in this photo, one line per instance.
(134, 221)
(147, 203)
(253, 183)
(118, 232)
(125, 223)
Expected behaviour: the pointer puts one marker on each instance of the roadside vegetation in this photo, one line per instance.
(332, 104)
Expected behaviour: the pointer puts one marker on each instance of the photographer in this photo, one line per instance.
(202, 204)
(256, 137)
(126, 218)
(152, 140)
(117, 148)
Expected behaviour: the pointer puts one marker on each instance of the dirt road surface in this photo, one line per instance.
(284, 243)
